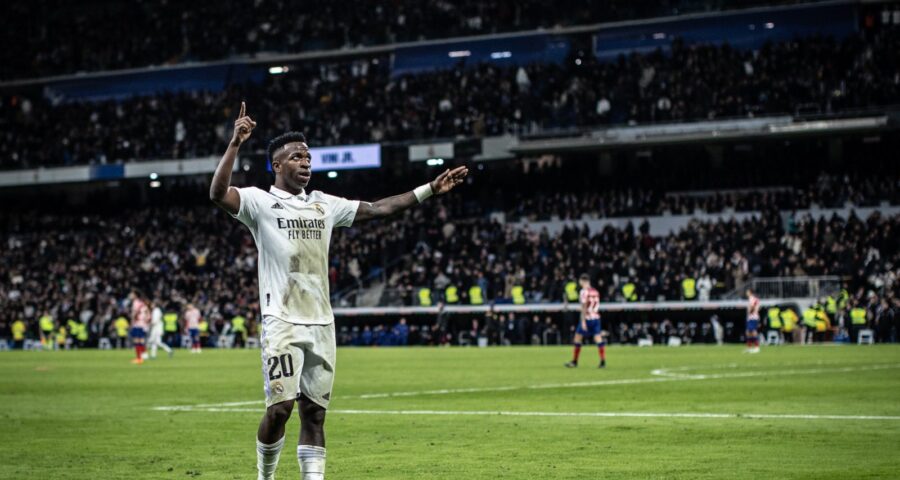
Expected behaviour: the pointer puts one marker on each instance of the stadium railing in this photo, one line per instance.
(782, 287)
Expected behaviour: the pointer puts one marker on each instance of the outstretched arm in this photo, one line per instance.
(391, 205)
(220, 190)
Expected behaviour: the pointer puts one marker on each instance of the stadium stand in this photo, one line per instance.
(359, 101)
(67, 264)
(717, 217)
(105, 35)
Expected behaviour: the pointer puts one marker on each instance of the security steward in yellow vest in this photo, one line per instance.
(629, 292)
(518, 294)
(689, 288)
(47, 325)
(823, 323)
(571, 291)
(425, 297)
(476, 296)
(858, 320)
(18, 333)
(451, 294)
(774, 321)
(61, 335)
(789, 323)
(73, 328)
(809, 324)
(204, 332)
(239, 327)
(170, 328)
(82, 336)
(120, 325)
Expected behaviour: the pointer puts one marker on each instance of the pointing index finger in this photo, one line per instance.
(243, 110)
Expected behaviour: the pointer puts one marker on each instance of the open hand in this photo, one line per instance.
(449, 179)
(243, 126)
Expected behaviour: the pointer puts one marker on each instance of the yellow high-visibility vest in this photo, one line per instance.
(831, 305)
(774, 314)
(789, 320)
(518, 295)
(689, 288)
(18, 330)
(61, 335)
(809, 317)
(239, 324)
(475, 295)
(843, 298)
(629, 291)
(82, 334)
(451, 294)
(425, 297)
(204, 326)
(170, 322)
(571, 291)
(858, 316)
(121, 326)
(46, 323)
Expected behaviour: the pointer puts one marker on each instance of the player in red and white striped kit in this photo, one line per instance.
(192, 317)
(752, 322)
(589, 326)
(140, 321)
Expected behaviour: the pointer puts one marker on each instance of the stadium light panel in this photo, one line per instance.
(332, 174)
(278, 70)
(499, 55)
(770, 25)
(154, 176)
(433, 162)
(459, 53)
(155, 184)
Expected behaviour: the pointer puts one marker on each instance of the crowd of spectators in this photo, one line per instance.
(359, 101)
(84, 266)
(48, 37)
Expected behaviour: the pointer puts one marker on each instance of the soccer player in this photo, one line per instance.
(156, 331)
(589, 326)
(140, 320)
(292, 229)
(192, 318)
(752, 322)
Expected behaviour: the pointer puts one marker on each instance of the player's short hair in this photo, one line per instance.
(584, 277)
(282, 140)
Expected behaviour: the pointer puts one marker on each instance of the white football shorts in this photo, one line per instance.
(297, 359)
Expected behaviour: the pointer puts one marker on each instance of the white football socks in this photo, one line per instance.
(312, 462)
(267, 458)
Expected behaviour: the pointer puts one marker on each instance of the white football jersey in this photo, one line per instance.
(292, 234)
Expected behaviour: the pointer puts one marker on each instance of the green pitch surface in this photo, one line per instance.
(668, 413)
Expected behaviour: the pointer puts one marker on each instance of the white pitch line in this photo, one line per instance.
(700, 415)
(661, 375)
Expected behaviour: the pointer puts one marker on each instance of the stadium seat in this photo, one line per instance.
(866, 336)
(104, 344)
(674, 341)
(4, 345)
(645, 342)
(31, 345)
(186, 342)
(773, 337)
(252, 342)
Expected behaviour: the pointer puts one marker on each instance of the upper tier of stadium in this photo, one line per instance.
(98, 35)
(361, 100)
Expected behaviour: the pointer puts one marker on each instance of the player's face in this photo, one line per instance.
(294, 165)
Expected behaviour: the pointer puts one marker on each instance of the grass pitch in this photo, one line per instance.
(667, 413)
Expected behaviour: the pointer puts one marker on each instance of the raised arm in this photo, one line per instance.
(391, 205)
(220, 190)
